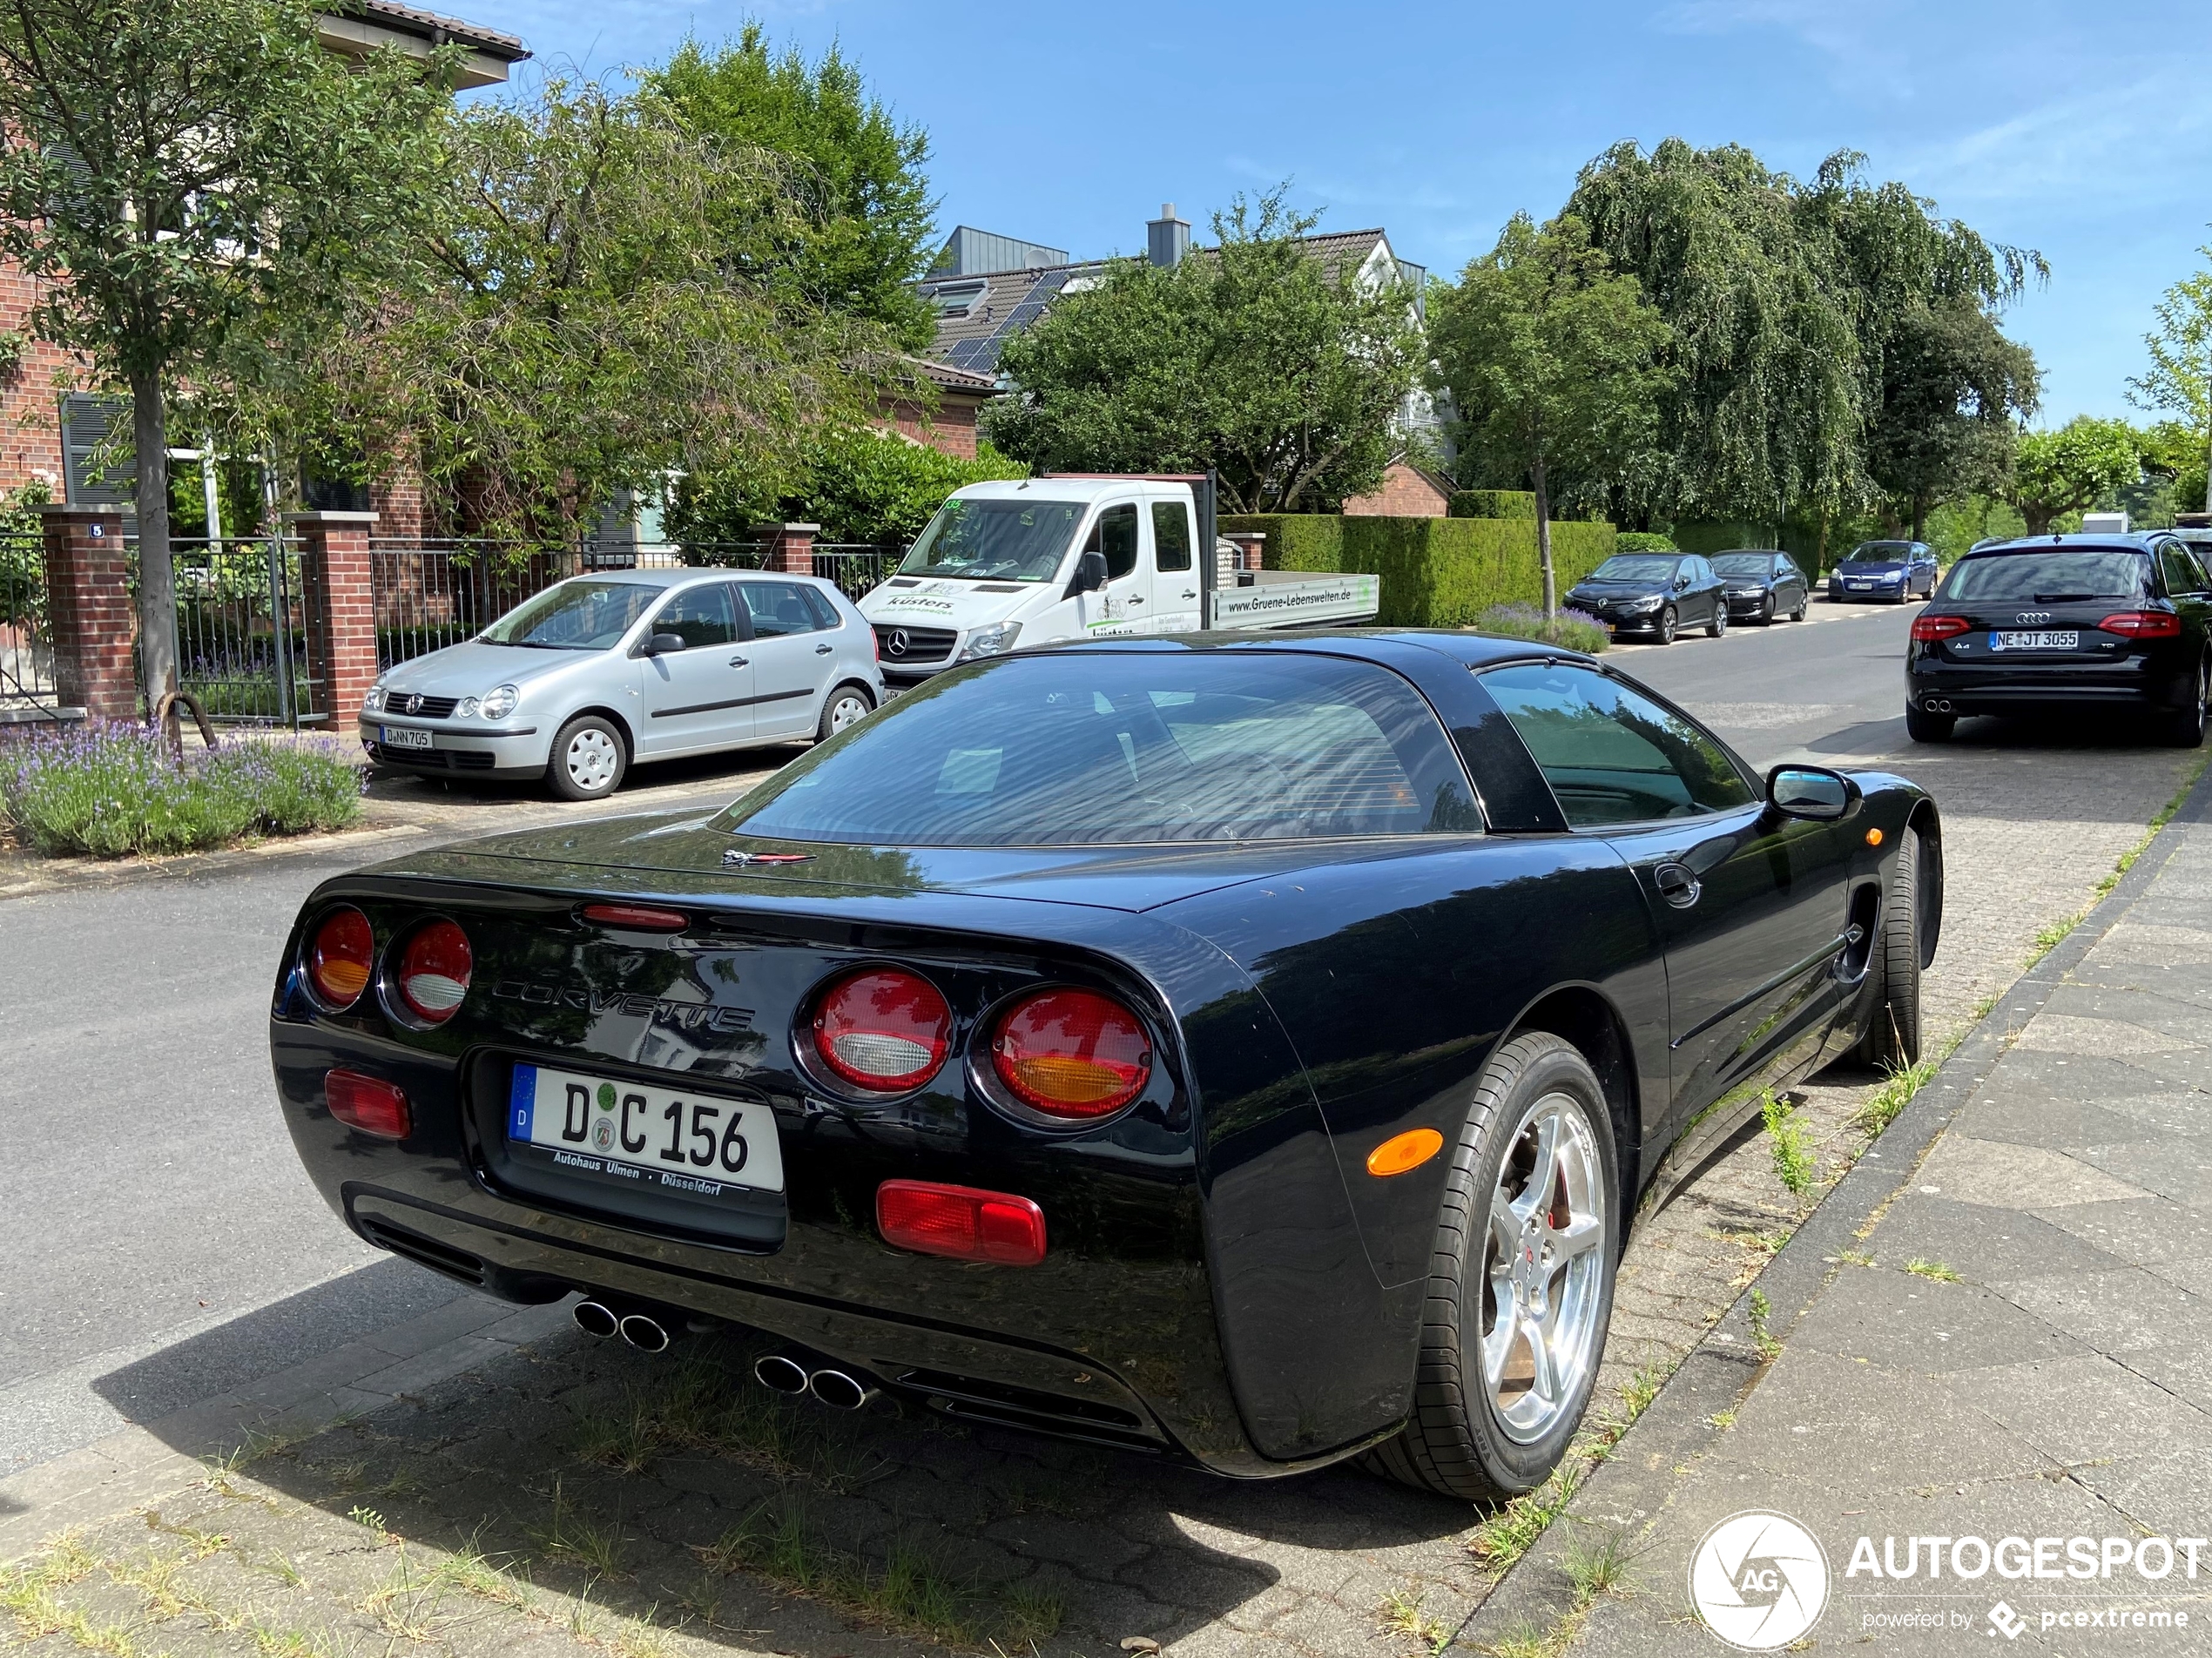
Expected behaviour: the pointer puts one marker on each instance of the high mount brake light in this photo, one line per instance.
(636, 918)
(960, 1222)
(1073, 1055)
(434, 972)
(340, 957)
(2143, 624)
(1930, 630)
(883, 1029)
(368, 1103)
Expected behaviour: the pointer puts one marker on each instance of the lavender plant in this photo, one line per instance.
(1577, 630)
(109, 790)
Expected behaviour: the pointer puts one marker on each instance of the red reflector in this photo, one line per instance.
(1928, 629)
(434, 972)
(368, 1103)
(340, 957)
(2143, 624)
(883, 1029)
(1072, 1054)
(636, 917)
(960, 1222)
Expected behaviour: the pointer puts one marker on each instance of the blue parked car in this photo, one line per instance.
(1896, 570)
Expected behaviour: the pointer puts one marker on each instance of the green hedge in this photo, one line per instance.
(1436, 572)
(1645, 541)
(1493, 503)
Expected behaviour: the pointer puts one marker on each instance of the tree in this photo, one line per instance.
(859, 484)
(1255, 357)
(1952, 385)
(177, 170)
(1552, 359)
(2072, 469)
(2180, 380)
(588, 315)
(865, 237)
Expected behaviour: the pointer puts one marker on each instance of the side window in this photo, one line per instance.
(1115, 534)
(826, 614)
(2180, 570)
(1610, 755)
(777, 609)
(1170, 536)
(1700, 571)
(703, 616)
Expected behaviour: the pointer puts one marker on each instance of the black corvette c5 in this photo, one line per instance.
(2066, 624)
(1248, 1052)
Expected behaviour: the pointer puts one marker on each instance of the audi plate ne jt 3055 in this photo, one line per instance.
(1245, 1051)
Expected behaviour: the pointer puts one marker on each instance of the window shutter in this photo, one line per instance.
(91, 420)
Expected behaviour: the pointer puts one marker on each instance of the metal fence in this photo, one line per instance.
(27, 690)
(241, 630)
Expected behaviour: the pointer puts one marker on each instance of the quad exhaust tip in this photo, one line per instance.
(840, 1391)
(1938, 705)
(641, 1329)
(780, 1374)
(596, 1318)
(645, 1332)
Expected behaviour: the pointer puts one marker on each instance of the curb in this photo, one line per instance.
(1631, 1486)
(145, 1463)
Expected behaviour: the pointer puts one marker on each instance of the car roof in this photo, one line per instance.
(1050, 488)
(2132, 541)
(1372, 644)
(693, 572)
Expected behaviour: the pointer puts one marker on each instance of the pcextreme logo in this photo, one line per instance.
(1760, 1581)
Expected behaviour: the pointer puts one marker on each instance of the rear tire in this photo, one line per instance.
(1798, 615)
(1718, 625)
(2185, 729)
(1663, 629)
(845, 704)
(1924, 727)
(1893, 1041)
(589, 759)
(1470, 1436)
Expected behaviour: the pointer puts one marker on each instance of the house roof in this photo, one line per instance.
(428, 26)
(1002, 304)
(952, 379)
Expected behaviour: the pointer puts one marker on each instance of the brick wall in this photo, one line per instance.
(950, 429)
(31, 427)
(1406, 492)
(89, 622)
(338, 598)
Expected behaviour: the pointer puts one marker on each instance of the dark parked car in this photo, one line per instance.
(1248, 1052)
(1761, 585)
(2065, 624)
(1653, 593)
(1896, 570)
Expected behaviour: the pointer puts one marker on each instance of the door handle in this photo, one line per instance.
(824, 650)
(737, 662)
(1677, 884)
(1132, 599)
(1190, 592)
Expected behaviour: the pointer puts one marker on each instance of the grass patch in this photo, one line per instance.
(571, 1537)
(1759, 1310)
(2053, 935)
(1934, 1272)
(1600, 1568)
(705, 1406)
(1500, 1541)
(1896, 1092)
(1856, 1257)
(1795, 1166)
(1401, 1614)
(110, 791)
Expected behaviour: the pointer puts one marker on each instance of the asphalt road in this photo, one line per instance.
(163, 1246)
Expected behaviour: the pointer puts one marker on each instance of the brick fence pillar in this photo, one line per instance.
(339, 609)
(790, 547)
(89, 619)
(1252, 544)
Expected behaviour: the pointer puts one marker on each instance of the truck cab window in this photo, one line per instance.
(1115, 534)
(1170, 536)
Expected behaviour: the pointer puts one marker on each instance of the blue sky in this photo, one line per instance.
(2081, 130)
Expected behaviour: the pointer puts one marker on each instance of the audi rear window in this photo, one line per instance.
(2049, 575)
(1141, 748)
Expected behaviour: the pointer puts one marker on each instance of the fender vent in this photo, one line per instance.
(439, 1257)
(1021, 1407)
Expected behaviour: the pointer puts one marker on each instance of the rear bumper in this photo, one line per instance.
(1953, 688)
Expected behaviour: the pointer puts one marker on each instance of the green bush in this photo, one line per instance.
(1436, 572)
(107, 791)
(1493, 503)
(1644, 541)
(860, 485)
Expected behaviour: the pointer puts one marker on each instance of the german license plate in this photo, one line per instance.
(1858, 587)
(405, 737)
(652, 1137)
(2063, 639)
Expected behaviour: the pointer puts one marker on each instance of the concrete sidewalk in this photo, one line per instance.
(2009, 1336)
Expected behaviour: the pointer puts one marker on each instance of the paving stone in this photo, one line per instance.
(2139, 1230)
(2083, 1410)
(2174, 1166)
(1902, 1321)
(2114, 1311)
(1942, 1228)
(2004, 1175)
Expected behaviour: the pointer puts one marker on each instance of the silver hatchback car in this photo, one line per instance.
(599, 670)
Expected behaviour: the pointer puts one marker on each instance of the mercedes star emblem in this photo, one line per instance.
(896, 644)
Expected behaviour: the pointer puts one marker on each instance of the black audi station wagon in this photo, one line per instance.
(2065, 624)
(1250, 1052)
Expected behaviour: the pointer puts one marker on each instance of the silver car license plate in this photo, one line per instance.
(2061, 639)
(404, 736)
(651, 1136)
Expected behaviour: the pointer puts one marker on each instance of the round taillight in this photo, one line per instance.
(1072, 1054)
(340, 956)
(883, 1029)
(434, 972)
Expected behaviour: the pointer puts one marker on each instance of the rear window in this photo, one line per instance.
(1113, 748)
(2049, 575)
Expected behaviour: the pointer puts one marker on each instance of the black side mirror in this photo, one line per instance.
(1090, 574)
(663, 645)
(1811, 792)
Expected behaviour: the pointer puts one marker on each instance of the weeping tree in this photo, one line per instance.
(179, 172)
(595, 304)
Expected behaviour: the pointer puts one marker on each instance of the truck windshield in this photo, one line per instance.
(996, 541)
(1128, 748)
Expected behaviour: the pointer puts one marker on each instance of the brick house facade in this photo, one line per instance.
(952, 427)
(1408, 491)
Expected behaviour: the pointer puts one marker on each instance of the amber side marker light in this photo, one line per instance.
(1403, 1151)
(1873, 837)
(960, 1223)
(368, 1103)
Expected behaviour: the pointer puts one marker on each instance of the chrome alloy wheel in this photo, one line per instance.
(593, 761)
(848, 707)
(1543, 1274)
